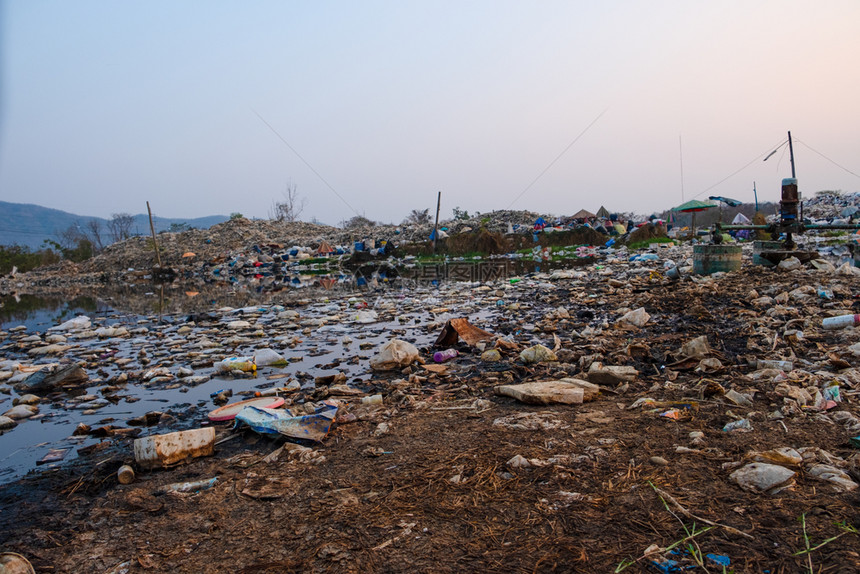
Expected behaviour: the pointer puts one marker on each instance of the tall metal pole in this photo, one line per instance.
(436, 225)
(755, 195)
(791, 155)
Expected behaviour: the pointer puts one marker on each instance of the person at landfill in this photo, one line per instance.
(388, 248)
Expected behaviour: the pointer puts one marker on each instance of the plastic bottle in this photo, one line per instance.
(236, 363)
(372, 400)
(841, 321)
(781, 365)
(742, 424)
(195, 486)
(446, 355)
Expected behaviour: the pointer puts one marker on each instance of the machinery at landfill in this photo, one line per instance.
(790, 222)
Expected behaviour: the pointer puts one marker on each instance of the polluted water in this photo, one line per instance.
(149, 374)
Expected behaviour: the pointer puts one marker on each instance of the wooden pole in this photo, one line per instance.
(693, 225)
(152, 229)
(436, 225)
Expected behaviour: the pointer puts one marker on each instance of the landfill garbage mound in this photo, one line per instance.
(597, 419)
(829, 205)
(212, 254)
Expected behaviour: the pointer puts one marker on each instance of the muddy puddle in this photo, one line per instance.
(140, 364)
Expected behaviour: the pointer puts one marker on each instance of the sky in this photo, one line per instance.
(370, 108)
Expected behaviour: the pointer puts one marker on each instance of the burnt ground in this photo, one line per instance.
(435, 492)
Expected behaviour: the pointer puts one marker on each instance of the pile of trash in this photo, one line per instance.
(737, 390)
(832, 205)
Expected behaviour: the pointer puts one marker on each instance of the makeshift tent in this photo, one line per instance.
(583, 214)
(727, 200)
(741, 219)
(693, 206)
(325, 248)
(603, 212)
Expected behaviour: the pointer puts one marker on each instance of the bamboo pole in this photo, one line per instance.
(154, 242)
(436, 225)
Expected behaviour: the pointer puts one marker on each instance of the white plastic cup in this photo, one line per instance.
(372, 400)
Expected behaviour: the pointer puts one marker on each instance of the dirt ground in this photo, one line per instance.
(424, 483)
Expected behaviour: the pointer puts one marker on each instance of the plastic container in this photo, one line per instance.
(245, 364)
(372, 400)
(446, 355)
(174, 448)
(841, 322)
(125, 474)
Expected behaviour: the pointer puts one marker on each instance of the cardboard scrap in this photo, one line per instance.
(456, 329)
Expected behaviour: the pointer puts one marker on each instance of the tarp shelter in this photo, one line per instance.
(603, 212)
(741, 219)
(325, 248)
(583, 214)
(693, 206)
(727, 200)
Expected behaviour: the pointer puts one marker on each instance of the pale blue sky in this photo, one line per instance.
(106, 104)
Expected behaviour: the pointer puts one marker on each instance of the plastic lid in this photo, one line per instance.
(229, 412)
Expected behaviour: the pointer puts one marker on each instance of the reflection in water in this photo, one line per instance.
(332, 345)
(33, 311)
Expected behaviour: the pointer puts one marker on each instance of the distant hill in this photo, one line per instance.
(29, 225)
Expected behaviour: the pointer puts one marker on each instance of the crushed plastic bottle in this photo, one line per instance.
(446, 355)
(742, 424)
(771, 364)
(245, 364)
(195, 486)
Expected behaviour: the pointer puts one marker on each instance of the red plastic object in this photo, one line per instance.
(229, 412)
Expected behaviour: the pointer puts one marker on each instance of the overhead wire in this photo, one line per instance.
(310, 167)
(782, 155)
(770, 151)
(558, 157)
(827, 158)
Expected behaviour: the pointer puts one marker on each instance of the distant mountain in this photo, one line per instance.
(29, 225)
